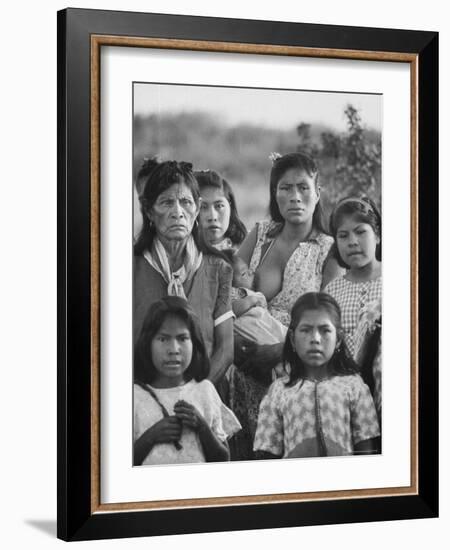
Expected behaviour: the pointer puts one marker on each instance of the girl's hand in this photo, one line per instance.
(214, 449)
(167, 430)
(189, 415)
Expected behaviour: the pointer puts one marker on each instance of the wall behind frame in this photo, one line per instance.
(28, 288)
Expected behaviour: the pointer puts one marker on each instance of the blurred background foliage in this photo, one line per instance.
(349, 162)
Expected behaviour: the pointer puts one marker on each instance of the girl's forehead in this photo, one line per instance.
(317, 316)
(173, 323)
(351, 219)
(210, 193)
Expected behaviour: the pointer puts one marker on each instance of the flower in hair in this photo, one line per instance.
(273, 157)
(151, 162)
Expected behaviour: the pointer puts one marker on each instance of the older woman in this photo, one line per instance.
(171, 258)
(288, 255)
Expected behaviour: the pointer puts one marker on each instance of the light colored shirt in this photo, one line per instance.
(204, 397)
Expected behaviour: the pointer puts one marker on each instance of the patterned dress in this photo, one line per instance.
(302, 273)
(352, 298)
(310, 418)
(355, 299)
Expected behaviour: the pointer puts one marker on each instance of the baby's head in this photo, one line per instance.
(242, 277)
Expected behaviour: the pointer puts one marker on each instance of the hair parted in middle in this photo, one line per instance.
(280, 165)
(341, 363)
(144, 369)
(236, 231)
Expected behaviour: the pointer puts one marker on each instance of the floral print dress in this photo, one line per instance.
(316, 418)
(303, 271)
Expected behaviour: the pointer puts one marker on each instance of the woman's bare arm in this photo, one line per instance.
(248, 245)
(331, 270)
(222, 356)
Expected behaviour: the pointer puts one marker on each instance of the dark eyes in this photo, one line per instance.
(309, 329)
(345, 235)
(218, 205)
(184, 338)
(289, 187)
(171, 202)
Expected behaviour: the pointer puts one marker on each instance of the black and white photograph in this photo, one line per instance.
(237, 355)
(194, 350)
(257, 273)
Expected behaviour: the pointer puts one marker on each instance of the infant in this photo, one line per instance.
(253, 320)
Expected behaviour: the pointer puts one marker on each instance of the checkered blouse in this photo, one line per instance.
(352, 297)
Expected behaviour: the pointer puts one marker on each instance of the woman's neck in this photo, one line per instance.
(368, 272)
(296, 232)
(175, 252)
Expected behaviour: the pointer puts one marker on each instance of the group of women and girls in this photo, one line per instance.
(258, 345)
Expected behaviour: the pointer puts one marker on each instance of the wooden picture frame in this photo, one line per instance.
(81, 36)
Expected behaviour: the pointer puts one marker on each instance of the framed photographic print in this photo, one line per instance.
(223, 362)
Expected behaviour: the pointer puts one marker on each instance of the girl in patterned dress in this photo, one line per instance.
(288, 255)
(323, 408)
(356, 227)
(178, 414)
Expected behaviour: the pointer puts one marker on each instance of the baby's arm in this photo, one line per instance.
(215, 450)
(167, 430)
(242, 305)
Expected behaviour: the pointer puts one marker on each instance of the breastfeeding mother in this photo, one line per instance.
(289, 255)
(171, 258)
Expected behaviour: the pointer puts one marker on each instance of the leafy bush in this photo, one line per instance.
(349, 162)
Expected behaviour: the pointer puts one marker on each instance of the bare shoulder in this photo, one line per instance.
(248, 245)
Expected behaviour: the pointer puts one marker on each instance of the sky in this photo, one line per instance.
(278, 109)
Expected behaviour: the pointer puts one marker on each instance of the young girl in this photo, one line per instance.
(323, 408)
(218, 217)
(178, 414)
(356, 227)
